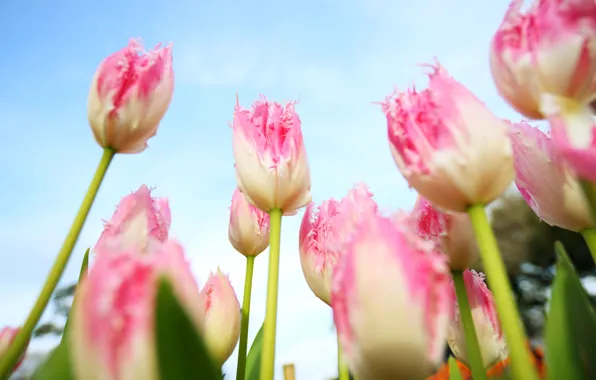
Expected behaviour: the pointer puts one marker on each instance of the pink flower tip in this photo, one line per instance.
(139, 221)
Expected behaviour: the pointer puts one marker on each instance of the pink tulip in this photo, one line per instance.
(448, 145)
(139, 221)
(391, 303)
(324, 232)
(271, 164)
(129, 95)
(574, 136)
(7, 336)
(222, 318)
(452, 232)
(113, 320)
(486, 322)
(545, 182)
(248, 230)
(550, 49)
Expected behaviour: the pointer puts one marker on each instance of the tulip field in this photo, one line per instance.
(398, 282)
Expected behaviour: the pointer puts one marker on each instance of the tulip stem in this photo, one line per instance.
(589, 235)
(590, 193)
(10, 358)
(241, 369)
(521, 363)
(343, 370)
(465, 313)
(268, 358)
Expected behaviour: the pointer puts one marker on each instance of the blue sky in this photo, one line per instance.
(336, 57)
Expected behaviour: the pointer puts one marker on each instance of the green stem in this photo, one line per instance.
(521, 364)
(9, 359)
(343, 370)
(590, 193)
(241, 369)
(474, 355)
(589, 235)
(268, 358)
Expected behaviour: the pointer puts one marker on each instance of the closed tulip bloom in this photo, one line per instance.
(129, 95)
(452, 232)
(546, 183)
(391, 304)
(113, 319)
(448, 145)
(222, 316)
(139, 221)
(7, 335)
(550, 49)
(248, 230)
(271, 164)
(323, 234)
(492, 344)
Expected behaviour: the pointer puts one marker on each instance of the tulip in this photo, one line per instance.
(391, 304)
(222, 316)
(546, 183)
(248, 230)
(7, 335)
(492, 344)
(139, 221)
(271, 164)
(323, 233)
(548, 50)
(129, 95)
(448, 145)
(451, 231)
(113, 319)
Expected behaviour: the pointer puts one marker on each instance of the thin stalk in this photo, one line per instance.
(241, 369)
(343, 370)
(590, 193)
(521, 363)
(269, 329)
(465, 312)
(589, 235)
(12, 355)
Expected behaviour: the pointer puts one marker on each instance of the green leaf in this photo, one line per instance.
(253, 360)
(181, 352)
(571, 326)
(56, 366)
(454, 373)
(83, 271)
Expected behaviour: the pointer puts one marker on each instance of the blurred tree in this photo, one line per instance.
(61, 302)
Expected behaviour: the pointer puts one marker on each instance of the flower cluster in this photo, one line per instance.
(399, 283)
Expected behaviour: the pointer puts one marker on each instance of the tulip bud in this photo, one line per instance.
(545, 182)
(448, 145)
(138, 222)
(7, 335)
(452, 232)
(391, 304)
(323, 234)
(129, 95)
(248, 230)
(271, 164)
(113, 319)
(486, 322)
(222, 316)
(548, 49)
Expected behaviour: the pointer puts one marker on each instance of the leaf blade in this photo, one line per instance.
(181, 352)
(253, 359)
